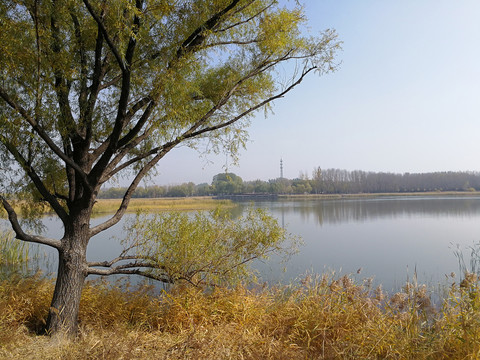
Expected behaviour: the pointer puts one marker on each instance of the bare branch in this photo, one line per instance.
(133, 267)
(20, 234)
(110, 263)
(146, 274)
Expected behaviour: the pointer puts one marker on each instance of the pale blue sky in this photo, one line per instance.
(405, 99)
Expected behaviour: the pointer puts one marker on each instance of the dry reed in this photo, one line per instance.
(103, 206)
(319, 318)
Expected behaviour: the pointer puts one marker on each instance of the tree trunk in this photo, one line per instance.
(64, 309)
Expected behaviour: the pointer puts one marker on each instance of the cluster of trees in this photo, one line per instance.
(343, 181)
(329, 181)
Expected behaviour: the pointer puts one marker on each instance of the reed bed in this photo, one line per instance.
(104, 206)
(110, 206)
(13, 253)
(318, 318)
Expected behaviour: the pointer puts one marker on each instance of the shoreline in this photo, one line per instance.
(379, 195)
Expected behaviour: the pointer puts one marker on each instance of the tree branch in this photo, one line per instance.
(83, 96)
(38, 129)
(95, 87)
(187, 134)
(35, 179)
(131, 113)
(106, 272)
(191, 133)
(62, 87)
(197, 37)
(113, 81)
(250, 110)
(131, 189)
(133, 267)
(20, 234)
(139, 125)
(232, 42)
(111, 45)
(248, 19)
(121, 118)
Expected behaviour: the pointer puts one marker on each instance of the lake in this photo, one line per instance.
(388, 238)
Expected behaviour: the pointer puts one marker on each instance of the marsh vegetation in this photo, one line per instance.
(323, 317)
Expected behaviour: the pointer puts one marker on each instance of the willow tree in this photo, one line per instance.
(91, 90)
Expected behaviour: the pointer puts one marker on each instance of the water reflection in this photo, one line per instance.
(391, 239)
(365, 210)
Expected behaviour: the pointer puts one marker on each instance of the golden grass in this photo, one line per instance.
(319, 318)
(109, 206)
(161, 204)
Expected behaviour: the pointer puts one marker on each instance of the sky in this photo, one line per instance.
(406, 98)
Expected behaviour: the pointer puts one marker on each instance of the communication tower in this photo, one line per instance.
(281, 168)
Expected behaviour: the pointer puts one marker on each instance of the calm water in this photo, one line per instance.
(388, 238)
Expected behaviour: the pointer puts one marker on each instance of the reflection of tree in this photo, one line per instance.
(360, 210)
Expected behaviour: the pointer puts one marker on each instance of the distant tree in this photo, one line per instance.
(156, 191)
(260, 187)
(182, 190)
(203, 189)
(301, 186)
(280, 186)
(317, 180)
(227, 184)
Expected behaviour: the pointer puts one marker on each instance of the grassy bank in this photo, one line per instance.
(318, 318)
(104, 206)
(161, 204)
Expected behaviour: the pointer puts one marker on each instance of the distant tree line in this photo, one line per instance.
(321, 181)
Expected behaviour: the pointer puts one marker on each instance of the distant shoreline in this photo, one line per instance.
(107, 206)
(378, 195)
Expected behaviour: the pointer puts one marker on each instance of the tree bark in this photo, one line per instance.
(64, 309)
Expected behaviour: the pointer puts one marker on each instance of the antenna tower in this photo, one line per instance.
(281, 168)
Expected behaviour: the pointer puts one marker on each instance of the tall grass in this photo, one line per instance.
(103, 206)
(13, 253)
(319, 318)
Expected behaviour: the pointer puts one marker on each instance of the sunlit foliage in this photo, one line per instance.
(208, 248)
